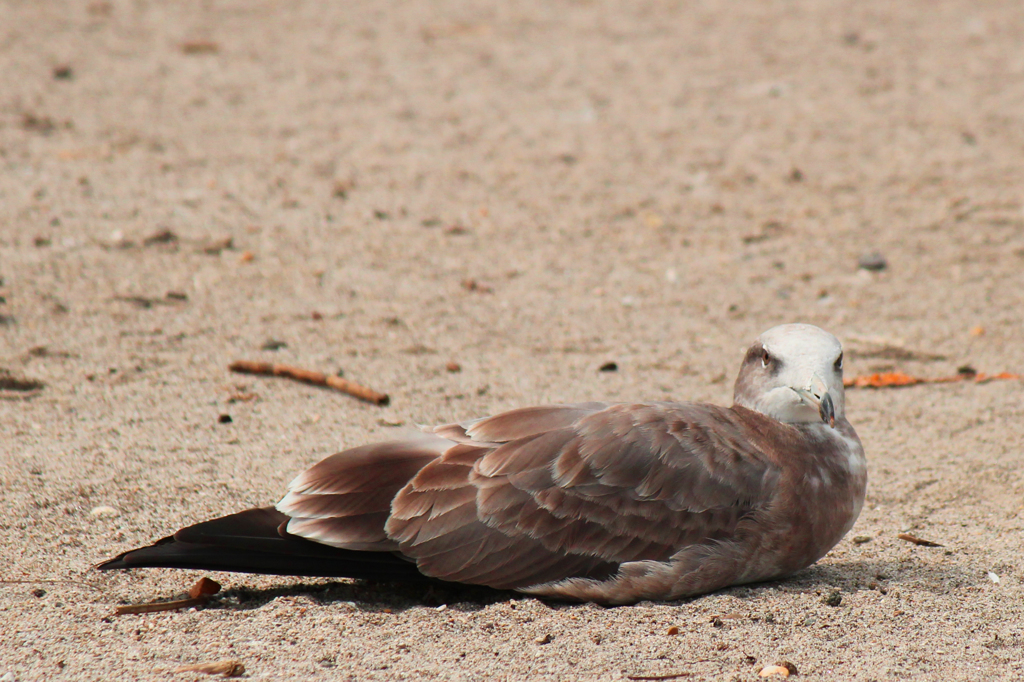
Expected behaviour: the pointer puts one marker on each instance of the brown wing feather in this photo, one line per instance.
(528, 421)
(436, 521)
(345, 499)
(544, 493)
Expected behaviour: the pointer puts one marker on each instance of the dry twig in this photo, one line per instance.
(198, 596)
(155, 607)
(899, 379)
(310, 377)
(917, 541)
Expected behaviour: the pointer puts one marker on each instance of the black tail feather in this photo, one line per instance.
(254, 541)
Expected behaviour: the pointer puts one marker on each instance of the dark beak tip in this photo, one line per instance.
(827, 410)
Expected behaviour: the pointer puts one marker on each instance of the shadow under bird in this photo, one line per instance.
(611, 503)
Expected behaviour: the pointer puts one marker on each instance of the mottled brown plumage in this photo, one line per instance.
(612, 503)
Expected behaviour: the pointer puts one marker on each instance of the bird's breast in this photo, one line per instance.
(820, 495)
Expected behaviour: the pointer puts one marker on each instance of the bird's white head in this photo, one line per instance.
(793, 373)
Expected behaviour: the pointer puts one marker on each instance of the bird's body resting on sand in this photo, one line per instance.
(611, 503)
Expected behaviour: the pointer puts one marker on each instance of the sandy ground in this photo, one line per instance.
(650, 183)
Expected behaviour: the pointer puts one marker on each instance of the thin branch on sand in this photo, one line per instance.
(310, 377)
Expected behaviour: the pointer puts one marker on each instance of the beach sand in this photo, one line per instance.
(530, 191)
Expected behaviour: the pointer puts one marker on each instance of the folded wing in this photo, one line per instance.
(542, 494)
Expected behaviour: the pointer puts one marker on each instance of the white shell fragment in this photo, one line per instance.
(104, 511)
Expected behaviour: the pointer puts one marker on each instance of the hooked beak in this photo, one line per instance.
(817, 395)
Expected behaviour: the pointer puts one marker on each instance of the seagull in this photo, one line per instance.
(611, 503)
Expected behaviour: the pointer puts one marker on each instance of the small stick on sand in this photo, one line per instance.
(899, 379)
(154, 607)
(917, 541)
(198, 596)
(310, 377)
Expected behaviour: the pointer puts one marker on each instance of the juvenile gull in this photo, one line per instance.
(605, 502)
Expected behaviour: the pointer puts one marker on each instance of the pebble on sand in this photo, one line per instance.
(872, 261)
(833, 598)
(104, 511)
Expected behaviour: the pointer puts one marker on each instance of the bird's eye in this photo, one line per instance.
(766, 358)
(839, 363)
